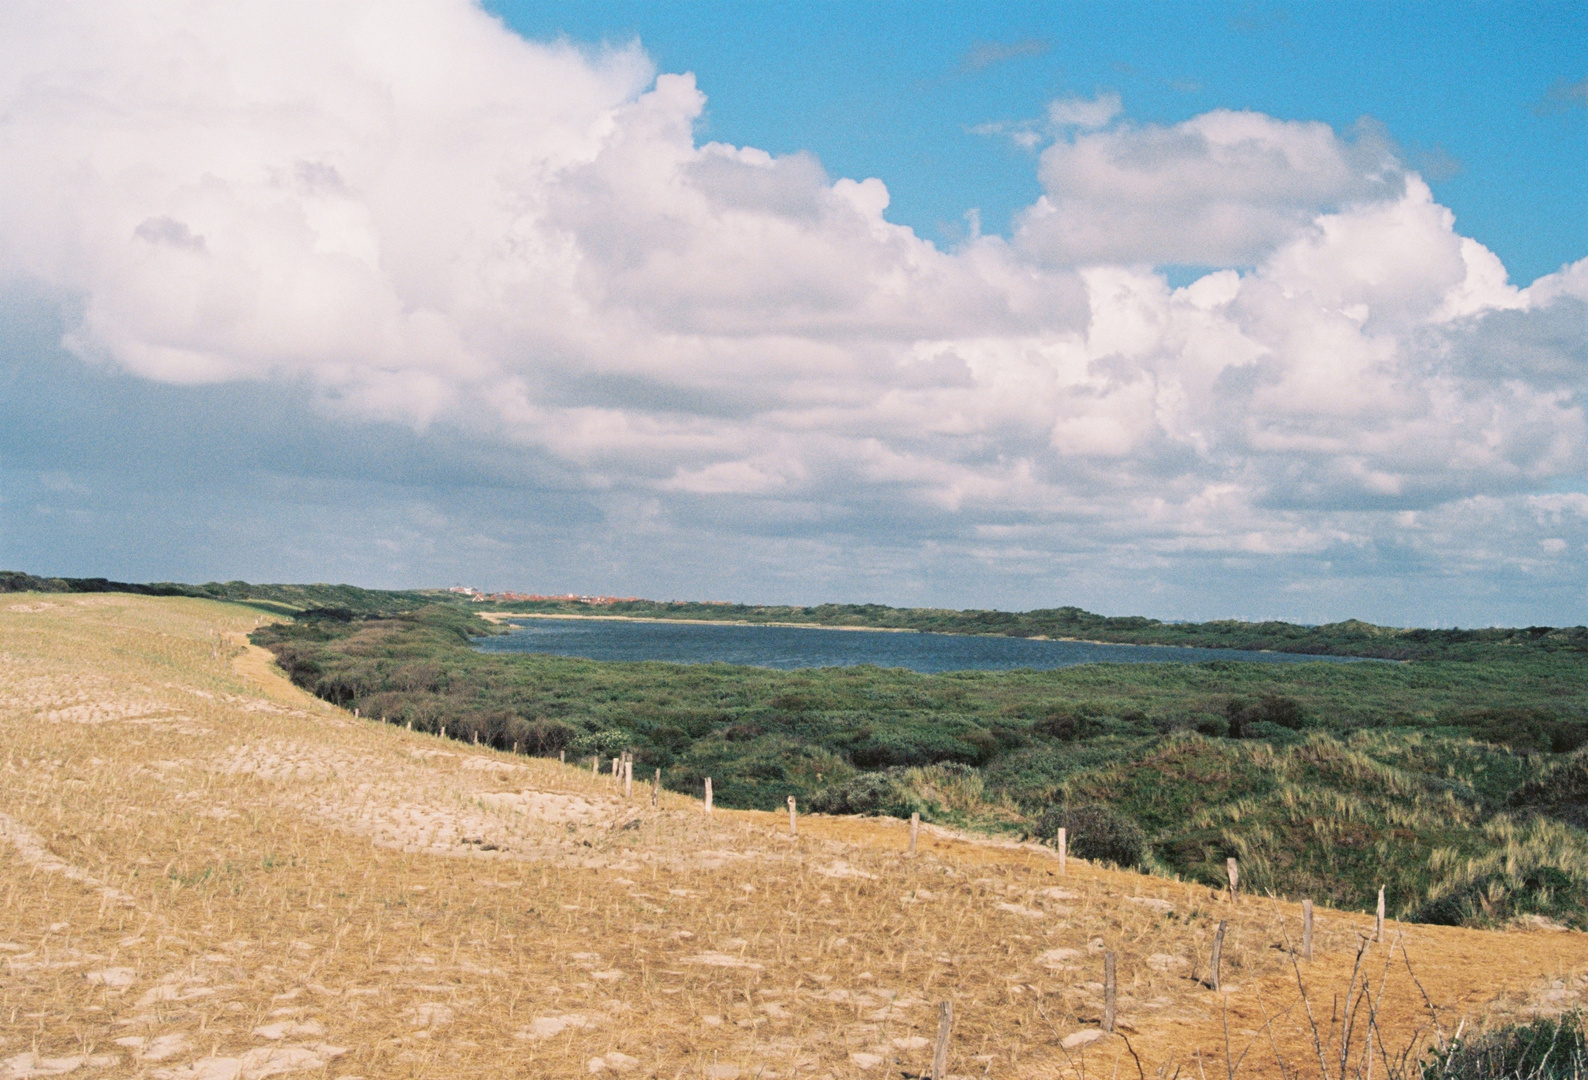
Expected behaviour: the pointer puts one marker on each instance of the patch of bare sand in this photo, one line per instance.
(300, 892)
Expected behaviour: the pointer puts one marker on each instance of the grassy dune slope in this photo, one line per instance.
(208, 873)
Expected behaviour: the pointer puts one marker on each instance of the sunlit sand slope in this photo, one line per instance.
(207, 874)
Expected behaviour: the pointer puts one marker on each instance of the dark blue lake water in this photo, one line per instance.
(790, 647)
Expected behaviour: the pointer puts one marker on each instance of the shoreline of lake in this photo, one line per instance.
(499, 617)
(706, 641)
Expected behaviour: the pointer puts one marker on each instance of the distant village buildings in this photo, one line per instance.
(566, 598)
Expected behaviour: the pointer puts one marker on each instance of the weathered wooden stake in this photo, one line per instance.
(595, 765)
(1233, 869)
(1218, 950)
(1378, 919)
(1306, 929)
(915, 830)
(708, 794)
(793, 829)
(562, 757)
(656, 790)
(355, 713)
(443, 731)
(476, 738)
(410, 725)
(515, 748)
(628, 779)
(1110, 992)
(615, 763)
(1064, 850)
(945, 1023)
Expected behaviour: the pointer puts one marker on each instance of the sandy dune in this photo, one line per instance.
(208, 874)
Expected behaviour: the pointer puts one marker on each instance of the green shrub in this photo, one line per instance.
(1066, 727)
(542, 737)
(1095, 831)
(1270, 709)
(1559, 790)
(876, 793)
(607, 743)
(1545, 1049)
(922, 746)
(1521, 729)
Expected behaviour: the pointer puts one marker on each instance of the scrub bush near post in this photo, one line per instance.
(1095, 832)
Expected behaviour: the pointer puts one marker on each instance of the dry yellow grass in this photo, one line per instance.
(207, 874)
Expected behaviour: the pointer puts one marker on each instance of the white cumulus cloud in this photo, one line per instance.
(1223, 188)
(425, 218)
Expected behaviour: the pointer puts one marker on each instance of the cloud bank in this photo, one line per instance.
(428, 221)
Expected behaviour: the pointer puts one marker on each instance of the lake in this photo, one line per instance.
(791, 647)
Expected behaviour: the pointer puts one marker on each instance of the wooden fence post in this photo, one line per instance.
(656, 790)
(708, 794)
(915, 830)
(595, 766)
(1218, 950)
(1233, 869)
(562, 757)
(1110, 992)
(945, 1023)
(793, 830)
(1064, 850)
(1378, 918)
(628, 779)
(1306, 929)
(515, 748)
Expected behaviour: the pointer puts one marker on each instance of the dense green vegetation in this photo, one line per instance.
(1458, 783)
(1548, 1048)
(1352, 638)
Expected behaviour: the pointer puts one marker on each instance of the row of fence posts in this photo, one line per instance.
(623, 767)
(1233, 871)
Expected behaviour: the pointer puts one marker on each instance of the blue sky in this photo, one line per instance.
(1188, 310)
(894, 90)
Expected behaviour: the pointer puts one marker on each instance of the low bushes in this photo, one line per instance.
(1095, 831)
(1546, 1049)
